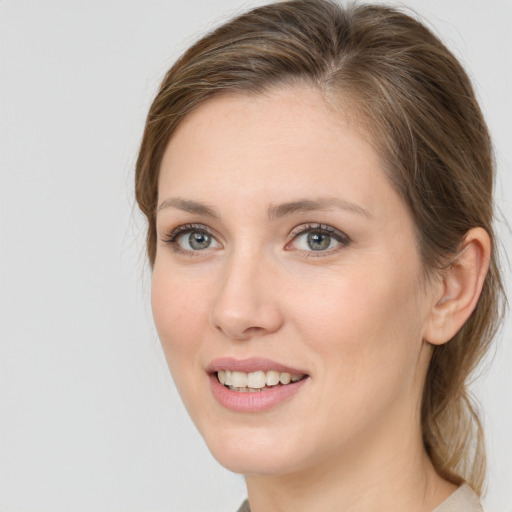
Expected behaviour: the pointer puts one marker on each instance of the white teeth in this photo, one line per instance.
(272, 378)
(255, 381)
(239, 380)
(285, 378)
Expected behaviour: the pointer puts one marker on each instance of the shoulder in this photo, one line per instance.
(464, 499)
(244, 507)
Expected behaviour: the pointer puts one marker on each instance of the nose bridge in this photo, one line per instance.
(246, 303)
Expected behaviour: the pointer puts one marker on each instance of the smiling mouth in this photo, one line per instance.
(255, 382)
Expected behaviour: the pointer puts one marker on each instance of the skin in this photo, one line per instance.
(355, 317)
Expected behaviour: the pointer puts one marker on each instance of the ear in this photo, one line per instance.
(460, 287)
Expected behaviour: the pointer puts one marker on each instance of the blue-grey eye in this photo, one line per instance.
(199, 240)
(196, 241)
(319, 239)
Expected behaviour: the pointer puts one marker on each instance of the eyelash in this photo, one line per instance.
(172, 237)
(323, 229)
(343, 239)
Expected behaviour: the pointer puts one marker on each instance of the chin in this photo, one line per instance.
(254, 463)
(253, 454)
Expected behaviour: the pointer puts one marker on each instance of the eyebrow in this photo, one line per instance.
(321, 203)
(274, 211)
(188, 206)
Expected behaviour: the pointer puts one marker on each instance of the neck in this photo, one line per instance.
(392, 472)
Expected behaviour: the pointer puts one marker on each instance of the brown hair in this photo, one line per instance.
(423, 119)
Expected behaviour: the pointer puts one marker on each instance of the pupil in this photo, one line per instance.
(318, 241)
(199, 240)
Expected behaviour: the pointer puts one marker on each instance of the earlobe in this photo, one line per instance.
(460, 287)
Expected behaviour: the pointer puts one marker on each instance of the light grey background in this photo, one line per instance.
(89, 418)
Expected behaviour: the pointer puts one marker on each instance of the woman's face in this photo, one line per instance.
(286, 260)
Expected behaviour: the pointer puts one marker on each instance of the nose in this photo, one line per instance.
(247, 302)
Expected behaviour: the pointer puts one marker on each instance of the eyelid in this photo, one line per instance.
(311, 226)
(186, 228)
(173, 236)
(303, 229)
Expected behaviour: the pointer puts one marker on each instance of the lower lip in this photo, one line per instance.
(253, 402)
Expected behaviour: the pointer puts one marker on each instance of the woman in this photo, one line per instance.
(318, 187)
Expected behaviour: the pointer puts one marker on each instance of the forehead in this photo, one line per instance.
(295, 119)
(279, 146)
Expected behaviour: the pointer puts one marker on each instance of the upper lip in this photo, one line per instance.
(253, 364)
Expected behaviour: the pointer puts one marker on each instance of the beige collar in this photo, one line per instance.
(463, 499)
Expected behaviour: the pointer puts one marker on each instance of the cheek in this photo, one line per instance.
(365, 327)
(355, 305)
(179, 319)
(365, 337)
